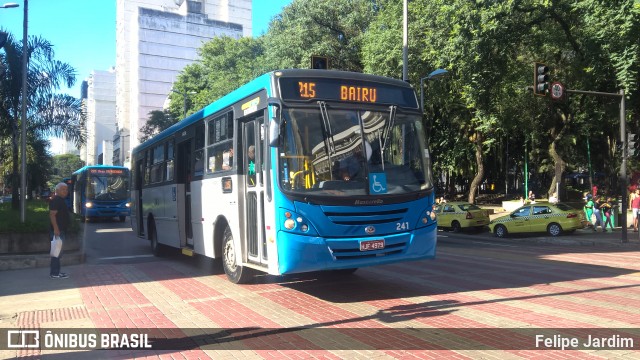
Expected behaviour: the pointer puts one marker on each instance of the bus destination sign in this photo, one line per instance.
(299, 89)
(106, 171)
(347, 93)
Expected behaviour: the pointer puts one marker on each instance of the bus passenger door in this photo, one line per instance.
(254, 199)
(183, 182)
(138, 200)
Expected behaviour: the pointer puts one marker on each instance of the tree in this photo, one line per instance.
(48, 113)
(315, 27)
(226, 63)
(63, 166)
(158, 121)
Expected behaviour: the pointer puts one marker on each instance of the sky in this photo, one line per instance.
(83, 32)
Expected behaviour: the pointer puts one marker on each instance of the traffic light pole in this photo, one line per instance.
(623, 166)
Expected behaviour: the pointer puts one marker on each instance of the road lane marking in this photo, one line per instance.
(112, 230)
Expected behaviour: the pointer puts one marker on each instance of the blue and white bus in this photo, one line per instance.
(296, 171)
(101, 191)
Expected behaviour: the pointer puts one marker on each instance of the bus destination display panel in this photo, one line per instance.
(305, 89)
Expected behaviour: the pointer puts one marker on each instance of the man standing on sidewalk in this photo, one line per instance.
(59, 217)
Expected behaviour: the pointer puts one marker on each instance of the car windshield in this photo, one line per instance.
(333, 152)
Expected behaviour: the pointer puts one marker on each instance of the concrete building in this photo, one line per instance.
(155, 40)
(99, 98)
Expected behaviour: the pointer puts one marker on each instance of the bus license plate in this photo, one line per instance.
(371, 245)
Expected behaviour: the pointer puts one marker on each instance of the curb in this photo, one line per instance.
(27, 261)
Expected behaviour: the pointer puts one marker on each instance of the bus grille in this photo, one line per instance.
(372, 217)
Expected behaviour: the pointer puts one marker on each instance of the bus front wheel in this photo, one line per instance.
(235, 273)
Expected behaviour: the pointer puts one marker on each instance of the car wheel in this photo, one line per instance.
(500, 231)
(235, 273)
(456, 227)
(554, 229)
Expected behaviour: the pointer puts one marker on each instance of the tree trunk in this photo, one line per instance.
(559, 166)
(477, 180)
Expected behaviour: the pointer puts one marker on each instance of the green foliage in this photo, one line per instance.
(47, 114)
(226, 64)
(63, 166)
(314, 27)
(158, 121)
(36, 219)
(483, 111)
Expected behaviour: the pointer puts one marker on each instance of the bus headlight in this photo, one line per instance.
(289, 224)
(297, 223)
(127, 204)
(89, 204)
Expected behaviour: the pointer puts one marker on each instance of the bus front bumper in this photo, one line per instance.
(297, 253)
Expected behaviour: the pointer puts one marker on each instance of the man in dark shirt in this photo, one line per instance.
(59, 216)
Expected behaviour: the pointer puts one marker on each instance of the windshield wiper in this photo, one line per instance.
(387, 132)
(327, 133)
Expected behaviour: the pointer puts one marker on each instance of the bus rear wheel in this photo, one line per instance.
(156, 247)
(235, 273)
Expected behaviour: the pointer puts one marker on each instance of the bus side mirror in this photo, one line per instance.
(274, 123)
(274, 132)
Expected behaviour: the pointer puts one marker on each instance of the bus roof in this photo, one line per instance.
(257, 84)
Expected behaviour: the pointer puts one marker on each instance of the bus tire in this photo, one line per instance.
(235, 273)
(156, 247)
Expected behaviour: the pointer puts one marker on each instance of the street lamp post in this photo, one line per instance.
(23, 116)
(25, 61)
(184, 103)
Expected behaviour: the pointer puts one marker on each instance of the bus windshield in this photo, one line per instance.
(335, 152)
(107, 187)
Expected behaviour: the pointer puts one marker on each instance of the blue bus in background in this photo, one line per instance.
(69, 198)
(101, 191)
(296, 171)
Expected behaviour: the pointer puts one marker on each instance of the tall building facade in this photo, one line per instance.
(155, 40)
(99, 98)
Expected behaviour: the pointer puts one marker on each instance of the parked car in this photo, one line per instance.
(553, 219)
(457, 215)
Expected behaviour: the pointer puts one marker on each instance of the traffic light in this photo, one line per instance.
(633, 145)
(319, 62)
(540, 79)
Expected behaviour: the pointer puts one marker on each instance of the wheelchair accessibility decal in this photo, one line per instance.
(377, 183)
